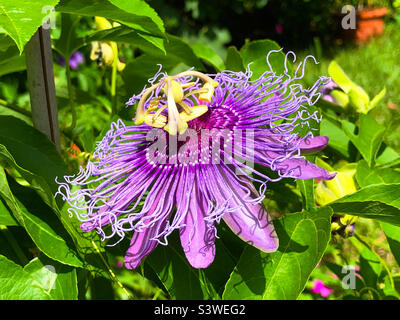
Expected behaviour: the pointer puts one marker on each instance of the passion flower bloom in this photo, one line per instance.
(143, 183)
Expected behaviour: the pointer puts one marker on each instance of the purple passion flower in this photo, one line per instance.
(188, 161)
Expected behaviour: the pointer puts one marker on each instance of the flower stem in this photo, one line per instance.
(111, 272)
(70, 94)
(14, 244)
(114, 80)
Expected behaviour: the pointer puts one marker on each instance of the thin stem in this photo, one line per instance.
(114, 80)
(370, 290)
(111, 272)
(364, 242)
(14, 244)
(70, 94)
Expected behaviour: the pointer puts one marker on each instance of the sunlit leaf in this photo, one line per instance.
(283, 274)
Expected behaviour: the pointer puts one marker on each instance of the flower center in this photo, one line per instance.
(173, 90)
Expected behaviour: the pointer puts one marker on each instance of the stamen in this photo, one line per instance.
(173, 90)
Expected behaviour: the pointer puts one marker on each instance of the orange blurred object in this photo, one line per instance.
(370, 22)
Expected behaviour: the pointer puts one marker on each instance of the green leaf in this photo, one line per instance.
(44, 164)
(377, 99)
(369, 137)
(344, 82)
(181, 280)
(338, 140)
(88, 244)
(370, 266)
(143, 10)
(255, 52)
(17, 284)
(6, 218)
(234, 60)
(206, 53)
(392, 234)
(59, 281)
(283, 274)
(41, 167)
(68, 42)
(10, 58)
(136, 14)
(366, 176)
(20, 19)
(388, 157)
(40, 226)
(380, 202)
(124, 34)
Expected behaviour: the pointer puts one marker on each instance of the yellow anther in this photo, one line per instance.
(206, 96)
(197, 111)
(156, 122)
(187, 85)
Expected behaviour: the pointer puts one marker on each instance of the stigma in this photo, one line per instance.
(174, 115)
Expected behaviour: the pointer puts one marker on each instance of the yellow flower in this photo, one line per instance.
(107, 51)
(330, 190)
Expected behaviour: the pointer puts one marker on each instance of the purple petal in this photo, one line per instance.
(197, 237)
(251, 222)
(300, 168)
(141, 246)
(311, 145)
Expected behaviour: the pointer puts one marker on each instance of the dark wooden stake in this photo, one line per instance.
(42, 90)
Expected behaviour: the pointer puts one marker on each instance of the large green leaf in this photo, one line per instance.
(18, 284)
(6, 218)
(366, 176)
(206, 53)
(283, 274)
(21, 18)
(43, 227)
(123, 34)
(40, 170)
(255, 52)
(338, 140)
(136, 14)
(380, 202)
(369, 137)
(41, 167)
(183, 281)
(32, 150)
(58, 280)
(10, 58)
(234, 60)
